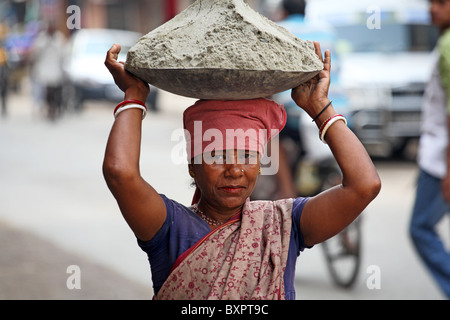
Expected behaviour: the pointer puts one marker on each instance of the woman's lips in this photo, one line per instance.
(232, 189)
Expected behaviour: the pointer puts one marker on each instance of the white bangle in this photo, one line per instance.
(131, 106)
(328, 124)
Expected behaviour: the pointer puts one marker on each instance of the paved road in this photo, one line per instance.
(56, 212)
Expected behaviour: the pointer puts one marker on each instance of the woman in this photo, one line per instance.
(225, 246)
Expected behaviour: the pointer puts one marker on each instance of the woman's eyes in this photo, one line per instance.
(247, 158)
(240, 158)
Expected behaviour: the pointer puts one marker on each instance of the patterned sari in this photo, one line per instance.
(243, 259)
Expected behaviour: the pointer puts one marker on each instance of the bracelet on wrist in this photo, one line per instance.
(321, 112)
(327, 124)
(131, 104)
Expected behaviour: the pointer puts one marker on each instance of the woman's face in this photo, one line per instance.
(227, 178)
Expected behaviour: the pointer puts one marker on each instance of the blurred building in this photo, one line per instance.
(136, 15)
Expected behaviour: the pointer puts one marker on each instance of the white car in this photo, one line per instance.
(385, 65)
(85, 68)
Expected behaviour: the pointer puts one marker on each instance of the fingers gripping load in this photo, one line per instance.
(222, 50)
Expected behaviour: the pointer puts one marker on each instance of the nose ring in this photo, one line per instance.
(242, 170)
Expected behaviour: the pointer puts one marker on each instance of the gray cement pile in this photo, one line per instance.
(222, 49)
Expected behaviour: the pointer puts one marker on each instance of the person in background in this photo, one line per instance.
(433, 190)
(4, 72)
(47, 58)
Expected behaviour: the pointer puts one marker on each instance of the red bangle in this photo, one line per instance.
(129, 102)
(327, 124)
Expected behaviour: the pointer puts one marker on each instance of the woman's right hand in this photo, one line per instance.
(132, 86)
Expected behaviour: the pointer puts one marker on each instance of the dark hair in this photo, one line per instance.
(294, 6)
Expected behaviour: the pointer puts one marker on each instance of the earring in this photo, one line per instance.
(259, 172)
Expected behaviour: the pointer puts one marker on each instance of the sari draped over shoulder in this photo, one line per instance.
(243, 259)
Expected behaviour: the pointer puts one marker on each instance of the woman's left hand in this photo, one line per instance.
(132, 86)
(312, 96)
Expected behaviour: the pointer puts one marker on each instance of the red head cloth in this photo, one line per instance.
(225, 125)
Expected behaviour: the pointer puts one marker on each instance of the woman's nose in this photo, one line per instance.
(235, 170)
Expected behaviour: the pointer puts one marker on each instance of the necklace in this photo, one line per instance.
(208, 220)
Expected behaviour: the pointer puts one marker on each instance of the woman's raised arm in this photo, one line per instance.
(140, 204)
(330, 212)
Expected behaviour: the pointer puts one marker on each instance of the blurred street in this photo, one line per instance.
(56, 211)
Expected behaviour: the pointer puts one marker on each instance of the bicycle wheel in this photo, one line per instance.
(342, 253)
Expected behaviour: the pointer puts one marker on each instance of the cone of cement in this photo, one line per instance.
(222, 50)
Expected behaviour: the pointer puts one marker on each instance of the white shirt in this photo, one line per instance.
(432, 156)
(49, 58)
